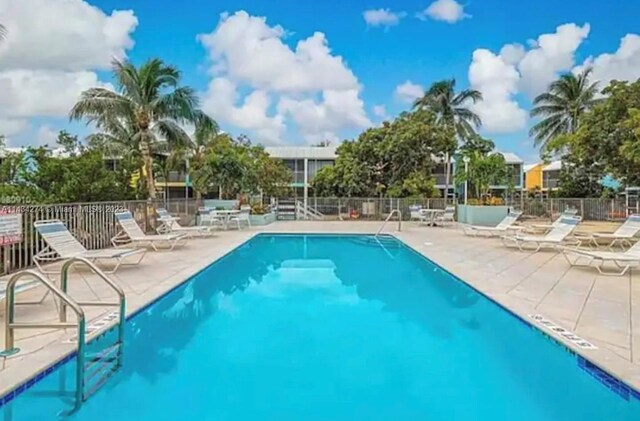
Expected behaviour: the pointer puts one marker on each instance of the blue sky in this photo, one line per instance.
(335, 98)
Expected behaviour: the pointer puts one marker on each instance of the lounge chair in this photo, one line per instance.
(61, 244)
(545, 228)
(169, 225)
(623, 236)
(131, 232)
(558, 236)
(502, 228)
(623, 260)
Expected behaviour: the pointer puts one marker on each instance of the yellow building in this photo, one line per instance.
(533, 176)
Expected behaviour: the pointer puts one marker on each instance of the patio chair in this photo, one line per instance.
(414, 213)
(502, 228)
(131, 232)
(240, 218)
(591, 258)
(623, 236)
(209, 218)
(558, 236)
(448, 217)
(61, 244)
(169, 224)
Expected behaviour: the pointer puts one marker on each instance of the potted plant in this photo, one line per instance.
(261, 215)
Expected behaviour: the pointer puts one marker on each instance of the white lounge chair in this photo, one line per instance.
(623, 236)
(61, 244)
(131, 232)
(502, 228)
(558, 236)
(623, 260)
(169, 225)
(544, 228)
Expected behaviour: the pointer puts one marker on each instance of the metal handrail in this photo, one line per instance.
(388, 218)
(64, 277)
(11, 325)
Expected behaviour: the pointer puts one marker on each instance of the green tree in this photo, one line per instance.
(483, 171)
(199, 146)
(380, 160)
(148, 107)
(69, 142)
(561, 108)
(453, 114)
(607, 139)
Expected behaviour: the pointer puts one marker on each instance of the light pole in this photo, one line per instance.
(466, 177)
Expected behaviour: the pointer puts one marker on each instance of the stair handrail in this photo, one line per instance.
(11, 325)
(393, 212)
(121, 304)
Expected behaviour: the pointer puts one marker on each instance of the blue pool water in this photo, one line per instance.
(331, 328)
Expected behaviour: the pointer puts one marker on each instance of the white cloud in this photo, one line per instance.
(222, 101)
(551, 54)
(409, 91)
(317, 120)
(253, 68)
(444, 10)
(624, 64)
(46, 136)
(50, 93)
(13, 126)
(62, 35)
(497, 80)
(380, 111)
(249, 51)
(382, 17)
(50, 53)
(512, 53)
(517, 69)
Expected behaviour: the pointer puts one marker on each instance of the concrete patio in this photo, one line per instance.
(603, 310)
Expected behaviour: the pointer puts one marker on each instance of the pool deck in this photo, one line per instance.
(603, 310)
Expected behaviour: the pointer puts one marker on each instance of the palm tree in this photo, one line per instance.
(3, 32)
(452, 113)
(147, 109)
(562, 106)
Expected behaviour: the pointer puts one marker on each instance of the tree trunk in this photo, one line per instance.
(147, 162)
(446, 177)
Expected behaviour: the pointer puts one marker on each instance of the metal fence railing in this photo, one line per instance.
(93, 224)
(379, 208)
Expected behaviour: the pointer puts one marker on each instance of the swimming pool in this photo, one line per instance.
(292, 327)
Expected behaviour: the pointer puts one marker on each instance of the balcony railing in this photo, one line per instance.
(173, 177)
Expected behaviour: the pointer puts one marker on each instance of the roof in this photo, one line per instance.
(553, 166)
(529, 167)
(511, 158)
(301, 152)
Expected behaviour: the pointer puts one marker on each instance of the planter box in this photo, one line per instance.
(481, 215)
(266, 219)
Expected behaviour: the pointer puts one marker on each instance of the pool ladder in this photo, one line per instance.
(92, 370)
(393, 212)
